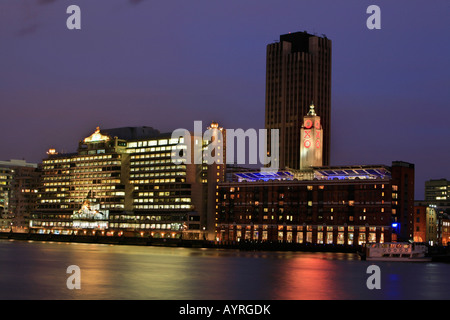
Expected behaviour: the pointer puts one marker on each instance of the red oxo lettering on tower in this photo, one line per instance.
(308, 123)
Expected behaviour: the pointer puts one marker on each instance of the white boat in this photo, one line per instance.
(396, 251)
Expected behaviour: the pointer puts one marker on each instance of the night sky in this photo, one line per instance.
(165, 64)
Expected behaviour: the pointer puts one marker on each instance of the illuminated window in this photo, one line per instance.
(162, 142)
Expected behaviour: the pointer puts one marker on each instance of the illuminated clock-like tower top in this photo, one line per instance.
(311, 141)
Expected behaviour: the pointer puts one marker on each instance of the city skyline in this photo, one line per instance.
(137, 63)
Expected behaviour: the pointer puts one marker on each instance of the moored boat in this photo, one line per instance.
(396, 251)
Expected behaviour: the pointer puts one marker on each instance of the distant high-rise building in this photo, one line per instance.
(436, 192)
(298, 73)
(19, 182)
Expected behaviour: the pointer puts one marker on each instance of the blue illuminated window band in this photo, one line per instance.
(372, 173)
(326, 173)
(265, 176)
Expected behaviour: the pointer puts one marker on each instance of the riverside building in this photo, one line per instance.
(19, 181)
(339, 205)
(123, 181)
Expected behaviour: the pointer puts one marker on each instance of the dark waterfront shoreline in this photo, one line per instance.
(438, 253)
(145, 241)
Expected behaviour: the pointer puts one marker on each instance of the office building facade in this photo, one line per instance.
(438, 192)
(19, 183)
(124, 181)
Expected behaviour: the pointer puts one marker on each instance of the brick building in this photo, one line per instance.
(337, 205)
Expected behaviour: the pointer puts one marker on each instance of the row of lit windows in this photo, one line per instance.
(61, 166)
(281, 210)
(165, 206)
(53, 167)
(308, 203)
(125, 217)
(138, 217)
(29, 191)
(96, 157)
(290, 217)
(148, 151)
(149, 143)
(63, 160)
(59, 172)
(152, 155)
(91, 176)
(151, 200)
(394, 188)
(50, 201)
(288, 236)
(52, 224)
(157, 226)
(57, 177)
(55, 189)
(161, 194)
(93, 164)
(156, 149)
(148, 181)
(172, 167)
(95, 188)
(142, 163)
(147, 194)
(53, 184)
(310, 228)
(81, 200)
(97, 194)
(282, 196)
(108, 181)
(88, 170)
(153, 226)
(159, 174)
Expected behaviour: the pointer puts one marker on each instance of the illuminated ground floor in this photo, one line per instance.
(315, 234)
(179, 225)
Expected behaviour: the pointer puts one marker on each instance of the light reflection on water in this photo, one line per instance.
(37, 270)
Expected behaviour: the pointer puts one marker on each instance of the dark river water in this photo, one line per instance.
(38, 270)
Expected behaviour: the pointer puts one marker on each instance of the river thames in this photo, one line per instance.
(38, 270)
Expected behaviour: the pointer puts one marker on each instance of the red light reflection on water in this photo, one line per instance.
(309, 278)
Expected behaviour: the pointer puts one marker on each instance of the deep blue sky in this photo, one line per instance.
(167, 63)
